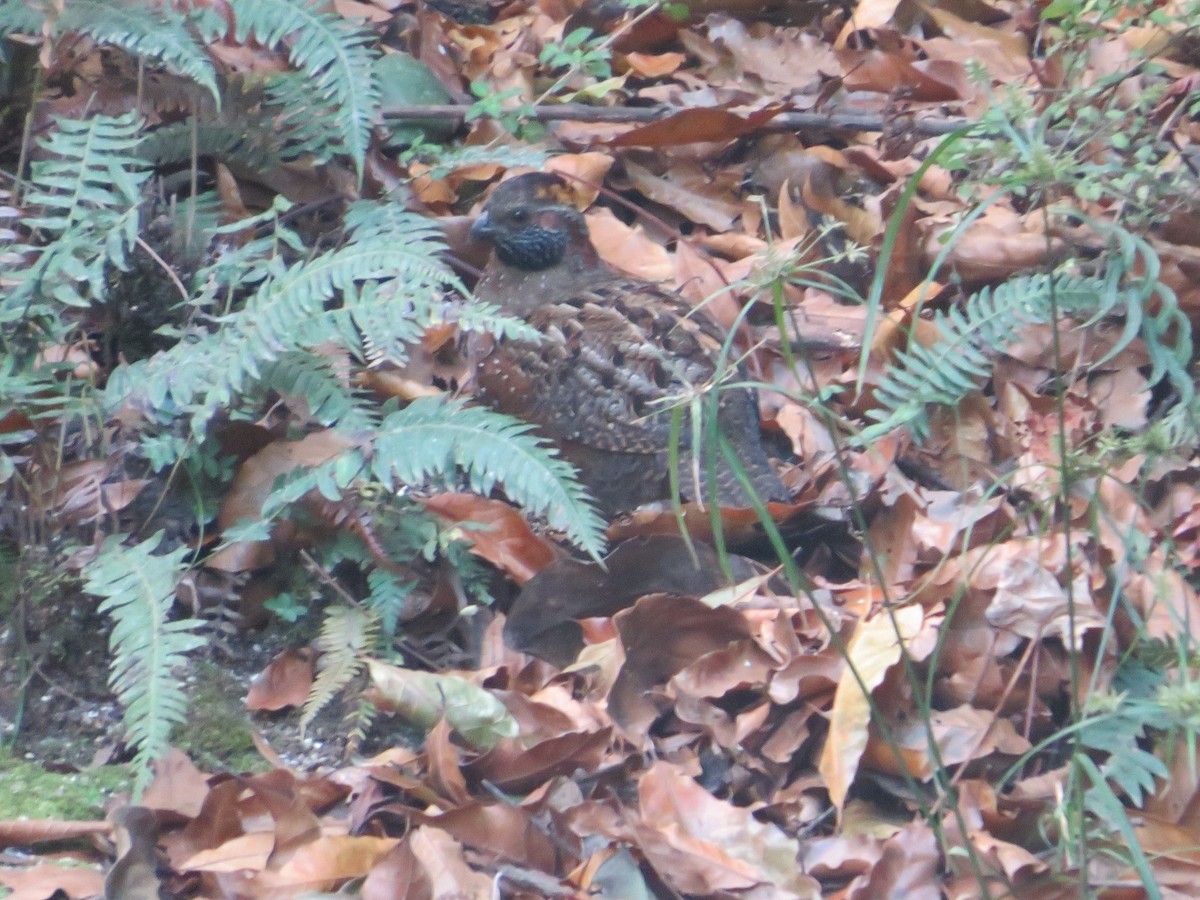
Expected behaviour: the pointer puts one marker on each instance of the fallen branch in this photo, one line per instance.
(641, 115)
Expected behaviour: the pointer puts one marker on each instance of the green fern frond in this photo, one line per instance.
(146, 30)
(357, 723)
(250, 143)
(487, 318)
(971, 337)
(23, 386)
(434, 437)
(384, 325)
(20, 17)
(267, 326)
(444, 160)
(310, 379)
(1143, 702)
(388, 597)
(138, 588)
(369, 218)
(1178, 429)
(93, 168)
(334, 55)
(1117, 735)
(289, 100)
(150, 31)
(348, 634)
(437, 439)
(288, 313)
(84, 208)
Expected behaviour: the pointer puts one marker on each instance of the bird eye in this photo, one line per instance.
(520, 215)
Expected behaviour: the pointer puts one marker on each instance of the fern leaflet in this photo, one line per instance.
(432, 437)
(348, 634)
(146, 30)
(138, 588)
(333, 53)
(945, 372)
(84, 202)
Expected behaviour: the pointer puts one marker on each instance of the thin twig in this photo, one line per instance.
(641, 115)
(166, 267)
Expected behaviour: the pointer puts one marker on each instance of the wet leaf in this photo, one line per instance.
(425, 697)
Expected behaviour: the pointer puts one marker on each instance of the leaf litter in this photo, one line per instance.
(666, 736)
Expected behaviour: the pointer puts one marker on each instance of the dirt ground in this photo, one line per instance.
(56, 709)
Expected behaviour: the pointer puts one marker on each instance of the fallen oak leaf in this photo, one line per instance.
(704, 845)
(326, 863)
(544, 620)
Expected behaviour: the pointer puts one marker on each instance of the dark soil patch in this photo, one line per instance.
(56, 708)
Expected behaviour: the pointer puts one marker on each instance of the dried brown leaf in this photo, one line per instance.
(628, 248)
(505, 538)
(285, 681)
(693, 126)
(399, 874)
(702, 845)
(27, 832)
(45, 880)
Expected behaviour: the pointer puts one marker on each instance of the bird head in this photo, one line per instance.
(531, 220)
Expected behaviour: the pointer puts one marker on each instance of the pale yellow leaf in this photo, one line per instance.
(874, 648)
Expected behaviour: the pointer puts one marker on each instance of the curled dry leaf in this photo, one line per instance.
(584, 171)
(28, 832)
(178, 786)
(995, 246)
(497, 829)
(543, 620)
(285, 681)
(962, 735)
(663, 634)
(442, 859)
(692, 126)
(928, 81)
(398, 874)
(245, 853)
(324, 864)
(688, 190)
(907, 867)
(650, 65)
(519, 770)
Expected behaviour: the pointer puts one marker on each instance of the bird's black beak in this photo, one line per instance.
(481, 230)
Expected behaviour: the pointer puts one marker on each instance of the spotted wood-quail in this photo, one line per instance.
(615, 354)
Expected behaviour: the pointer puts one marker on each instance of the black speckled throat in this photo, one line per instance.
(532, 248)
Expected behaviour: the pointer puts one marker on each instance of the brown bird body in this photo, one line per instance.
(615, 354)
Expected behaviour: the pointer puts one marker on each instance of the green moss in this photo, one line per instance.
(29, 791)
(217, 734)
